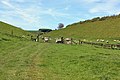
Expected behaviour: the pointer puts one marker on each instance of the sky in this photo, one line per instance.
(36, 14)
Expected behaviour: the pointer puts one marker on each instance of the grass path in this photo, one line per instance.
(21, 60)
(34, 71)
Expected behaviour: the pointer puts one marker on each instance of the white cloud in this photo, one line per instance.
(22, 13)
(109, 7)
(32, 11)
(33, 14)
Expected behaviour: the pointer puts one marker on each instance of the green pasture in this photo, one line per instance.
(26, 60)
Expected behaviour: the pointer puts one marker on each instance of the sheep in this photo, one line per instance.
(107, 41)
(98, 40)
(68, 40)
(59, 40)
(102, 40)
(46, 39)
(114, 40)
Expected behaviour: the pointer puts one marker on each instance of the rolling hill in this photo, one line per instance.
(105, 27)
(9, 32)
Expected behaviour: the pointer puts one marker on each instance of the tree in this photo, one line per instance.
(60, 25)
(45, 30)
(95, 19)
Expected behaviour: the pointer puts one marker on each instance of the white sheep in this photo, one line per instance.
(114, 40)
(46, 39)
(107, 41)
(98, 40)
(59, 40)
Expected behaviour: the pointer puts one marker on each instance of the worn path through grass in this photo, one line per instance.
(21, 60)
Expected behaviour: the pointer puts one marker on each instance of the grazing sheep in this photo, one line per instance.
(114, 46)
(102, 40)
(98, 40)
(46, 39)
(59, 40)
(107, 41)
(114, 40)
(68, 40)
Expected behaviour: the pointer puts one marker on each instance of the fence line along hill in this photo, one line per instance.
(10, 32)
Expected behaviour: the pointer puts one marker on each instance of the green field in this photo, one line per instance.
(26, 60)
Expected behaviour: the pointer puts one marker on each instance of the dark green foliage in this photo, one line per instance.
(95, 19)
(45, 30)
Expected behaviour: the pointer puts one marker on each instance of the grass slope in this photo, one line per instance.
(9, 32)
(108, 29)
(43, 61)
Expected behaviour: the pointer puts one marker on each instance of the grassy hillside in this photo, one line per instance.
(108, 29)
(25, 60)
(9, 32)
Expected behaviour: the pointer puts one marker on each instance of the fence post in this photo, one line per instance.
(12, 32)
